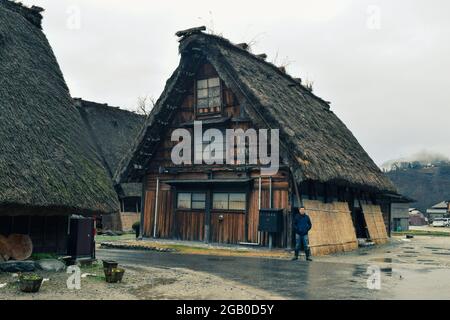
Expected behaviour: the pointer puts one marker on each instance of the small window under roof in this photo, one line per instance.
(209, 98)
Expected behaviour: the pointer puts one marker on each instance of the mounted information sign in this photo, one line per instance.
(270, 220)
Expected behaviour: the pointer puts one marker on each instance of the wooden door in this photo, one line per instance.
(228, 228)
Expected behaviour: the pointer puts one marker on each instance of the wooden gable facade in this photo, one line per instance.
(210, 216)
(322, 166)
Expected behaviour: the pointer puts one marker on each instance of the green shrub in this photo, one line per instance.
(136, 226)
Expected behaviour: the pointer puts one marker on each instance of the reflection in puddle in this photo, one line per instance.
(425, 260)
(384, 260)
(221, 259)
(387, 271)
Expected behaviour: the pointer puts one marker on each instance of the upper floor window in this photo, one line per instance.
(208, 96)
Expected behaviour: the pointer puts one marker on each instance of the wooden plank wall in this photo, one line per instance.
(375, 223)
(149, 207)
(190, 225)
(48, 233)
(332, 230)
(230, 230)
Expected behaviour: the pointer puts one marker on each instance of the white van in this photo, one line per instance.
(441, 222)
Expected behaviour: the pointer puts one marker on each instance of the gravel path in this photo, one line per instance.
(139, 283)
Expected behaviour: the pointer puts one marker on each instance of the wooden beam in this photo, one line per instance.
(207, 234)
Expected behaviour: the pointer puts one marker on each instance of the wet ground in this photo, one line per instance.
(417, 269)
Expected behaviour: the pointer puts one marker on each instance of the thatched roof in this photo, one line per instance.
(47, 163)
(112, 130)
(315, 143)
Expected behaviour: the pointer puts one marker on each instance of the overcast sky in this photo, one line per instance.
(384, 65)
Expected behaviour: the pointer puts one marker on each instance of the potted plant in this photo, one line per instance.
(137, 228)
(30, 282)
(114, 275)
(110, 264)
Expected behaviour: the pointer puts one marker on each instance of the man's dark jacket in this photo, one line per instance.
(302, 224)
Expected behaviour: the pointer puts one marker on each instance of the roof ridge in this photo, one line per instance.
(258, 58)
(87, 103)
(31, 14)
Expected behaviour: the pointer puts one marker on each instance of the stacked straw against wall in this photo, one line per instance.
(375, 223)
(333, 229)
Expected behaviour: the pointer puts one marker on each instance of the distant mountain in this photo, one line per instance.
(423, 158)
(427, 181)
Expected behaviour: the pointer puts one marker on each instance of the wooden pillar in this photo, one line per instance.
(389, 218)
(299, 203)
(270, 207)
(247, 203)
(259, 205)
(207, 234)
(155, 218)
(143, 195)
(173, 231)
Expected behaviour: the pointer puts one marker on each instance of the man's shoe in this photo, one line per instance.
(308, 259)
(294, 259)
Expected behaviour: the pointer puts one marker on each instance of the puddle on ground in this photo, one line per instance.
(384, 260)
(425, 260)
(221, 259)
(387, 271)
(406, 256)
(442, 253)
(359, 271)
(410, 252)
(435, 248)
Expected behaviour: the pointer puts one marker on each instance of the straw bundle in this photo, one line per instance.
(375, 223)
(333, 229)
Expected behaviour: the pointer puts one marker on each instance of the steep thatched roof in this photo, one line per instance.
(112, 130)
(315, 143)
(47, 164)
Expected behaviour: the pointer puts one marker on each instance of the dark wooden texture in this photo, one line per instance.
(230, 229)
(81, 238)
(48, 233)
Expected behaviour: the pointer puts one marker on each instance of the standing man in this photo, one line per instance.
(302, 225)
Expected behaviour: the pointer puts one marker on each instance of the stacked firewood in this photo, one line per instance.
(16, 247)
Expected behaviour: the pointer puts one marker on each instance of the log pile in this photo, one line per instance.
(15, 247)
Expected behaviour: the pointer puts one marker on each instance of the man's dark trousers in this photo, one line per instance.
(302, 242)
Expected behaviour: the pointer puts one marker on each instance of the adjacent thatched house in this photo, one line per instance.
(322, 164)
(49, 169)
(112, 131)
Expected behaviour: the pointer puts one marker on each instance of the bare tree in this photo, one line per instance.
(145, 105)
